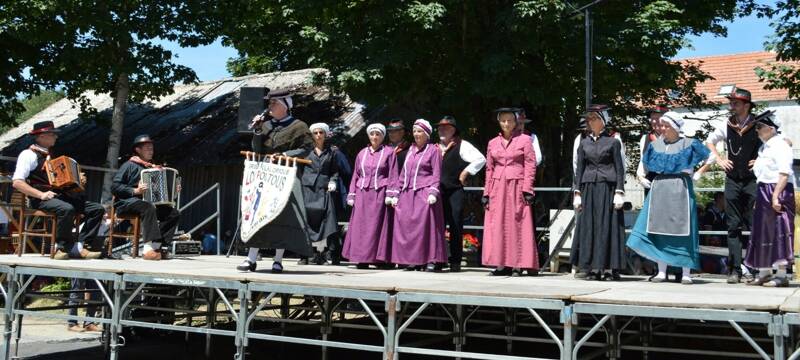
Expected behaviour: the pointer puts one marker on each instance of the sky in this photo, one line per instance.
(744, 35)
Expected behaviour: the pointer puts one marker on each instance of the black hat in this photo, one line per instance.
(395, 124)
(767, 118)
(447, 120)
(44, 127)
(740, 94)
(658, 109)
(278, 94)
(142, 139)
(599, 109)
(505, 110)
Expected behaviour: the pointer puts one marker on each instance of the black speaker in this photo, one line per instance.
(251, 103)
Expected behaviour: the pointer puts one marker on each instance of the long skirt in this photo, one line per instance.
(321, 213)
(368, 238)
(678, 251)
(772, 238)
(599, 242)
(418, 234)
(289, 230)
(508, 236)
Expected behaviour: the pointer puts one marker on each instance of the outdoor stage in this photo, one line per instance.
(566, 318)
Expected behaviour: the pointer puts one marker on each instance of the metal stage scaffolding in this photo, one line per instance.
(467, 316)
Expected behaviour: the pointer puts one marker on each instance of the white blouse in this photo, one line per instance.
(774, 158)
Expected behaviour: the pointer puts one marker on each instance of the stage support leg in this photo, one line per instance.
(612, 333)
(779, 331)
(325, 326)
(211, 318)
(116, 316)
(459, 337)
(240, 339)
(570, 327)
(8, 323)
(392, 307)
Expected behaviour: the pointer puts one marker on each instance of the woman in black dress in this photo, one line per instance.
(319, 183)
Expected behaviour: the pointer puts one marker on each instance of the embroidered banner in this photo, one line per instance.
(266, 188)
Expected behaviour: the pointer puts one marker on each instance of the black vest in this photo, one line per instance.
(38, 177)
(742, 149)
(452, 166)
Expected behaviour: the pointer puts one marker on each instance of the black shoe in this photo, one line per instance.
(336, 260)
(516, 273)
(596, 276)
(455, 267)
(362, 266)
(612, 276)
(505, 272)
(277, 268)
(433, 267)
(302, 261)
(581, 275)
(413, 268)
(247, 265)
(532, 272)
(385, 266)
(734, 278)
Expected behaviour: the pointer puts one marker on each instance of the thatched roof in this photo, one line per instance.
(196, 125)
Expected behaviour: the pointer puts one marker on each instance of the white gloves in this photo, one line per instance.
(431, 199)
(645, 183)
(350, 202)
(331, 186)
(576, 202)
(390, 201)
(619, 200)
(697, 176)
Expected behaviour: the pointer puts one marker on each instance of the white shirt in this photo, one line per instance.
(469, 153)
(26, 162)
(577, 143)
(774, 158)
(537, 151)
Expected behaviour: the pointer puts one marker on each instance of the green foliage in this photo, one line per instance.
(58, 284)
(87, 46)
(429, 58)
(785, 16)
(37, 103)
(711, 179)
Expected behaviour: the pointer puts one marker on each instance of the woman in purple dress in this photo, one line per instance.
(368, 236)
(418, 234)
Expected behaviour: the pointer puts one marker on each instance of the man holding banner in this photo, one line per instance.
(273, 214)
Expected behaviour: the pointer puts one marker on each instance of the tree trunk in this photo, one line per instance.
(115, 135)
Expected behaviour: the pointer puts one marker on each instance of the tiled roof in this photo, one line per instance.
(738, 69)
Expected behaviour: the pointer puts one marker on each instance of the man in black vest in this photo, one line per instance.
(396, 132)
(30, 178)
(460, 159)
(741, 143)
(158, 222)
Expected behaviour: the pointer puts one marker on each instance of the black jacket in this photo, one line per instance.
(600, 161)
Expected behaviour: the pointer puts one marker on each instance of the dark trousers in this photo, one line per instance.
(158, 222)
(740, 196)
(76, 298)
(453, 216)
(66, 207)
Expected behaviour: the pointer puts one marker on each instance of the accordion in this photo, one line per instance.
(64, 173)
(162, 186)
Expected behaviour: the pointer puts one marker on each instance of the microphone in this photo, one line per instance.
(258, 119)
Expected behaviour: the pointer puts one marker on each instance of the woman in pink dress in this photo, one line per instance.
(508, 238)
(368, 236)
(418, 234)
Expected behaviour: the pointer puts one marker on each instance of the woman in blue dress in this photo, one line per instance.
(670, 235)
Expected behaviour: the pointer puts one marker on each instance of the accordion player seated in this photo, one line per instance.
(159, 219)
(34, 177)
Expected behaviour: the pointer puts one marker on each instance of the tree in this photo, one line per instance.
(785, 73)
(111, 47)
(464, 58)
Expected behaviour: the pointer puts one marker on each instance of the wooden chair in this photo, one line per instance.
(28, 220)
(133, 235)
